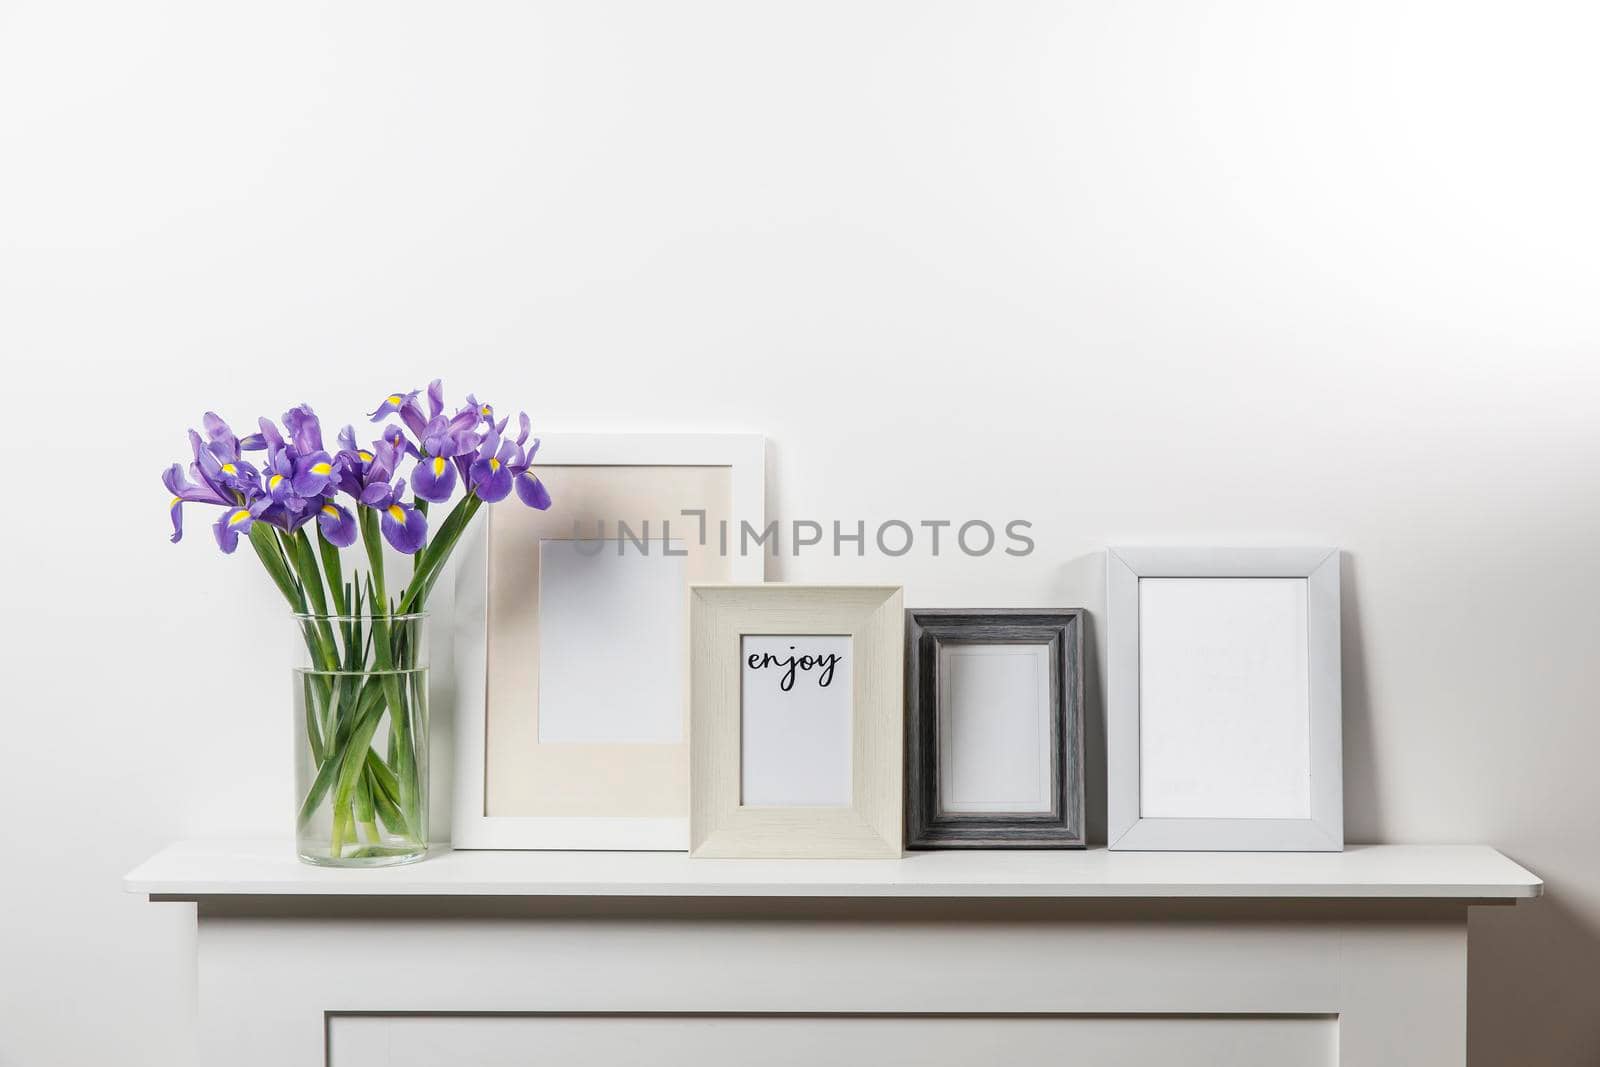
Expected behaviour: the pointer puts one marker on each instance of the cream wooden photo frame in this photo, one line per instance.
(523, 780)
(857, 630)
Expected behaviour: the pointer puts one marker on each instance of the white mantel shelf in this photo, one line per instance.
(199, 869)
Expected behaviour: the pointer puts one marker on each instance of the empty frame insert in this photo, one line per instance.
(1223, 720)
(995, 729)
(796, 709)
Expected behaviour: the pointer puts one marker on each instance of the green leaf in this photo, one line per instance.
(332, 568)
(365, 812)
(271, 556)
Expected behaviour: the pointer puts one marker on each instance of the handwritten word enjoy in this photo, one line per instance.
(761, 660)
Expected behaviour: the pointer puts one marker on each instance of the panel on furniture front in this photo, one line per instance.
(671, 1040)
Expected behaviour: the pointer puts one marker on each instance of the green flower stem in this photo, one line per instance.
(265, 543)
(388, 809)
(285, 557)
(339, 690)
(319, 637)
(351, 762)
(313, 731)
(383, 654)
(268, 548)
(386, 796)
(369, 709)
(384, 782)
(422, 551)
(365, 812)
(351, 680)
(431, 560)
(334, 571)
(336, 837)
(325, 650)
(338, 592)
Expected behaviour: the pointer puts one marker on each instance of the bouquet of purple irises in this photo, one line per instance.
(298, 507)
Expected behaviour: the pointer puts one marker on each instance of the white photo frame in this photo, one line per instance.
(866, 624)
(1223, 715)
(737, 463)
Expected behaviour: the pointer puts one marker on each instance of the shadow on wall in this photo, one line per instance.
(772, 567)
(1533, 969)
(1084, 579)
(1363, 809)
(1533, 979)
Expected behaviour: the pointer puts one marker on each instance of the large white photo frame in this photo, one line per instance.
(472, 824)
(1235, 717)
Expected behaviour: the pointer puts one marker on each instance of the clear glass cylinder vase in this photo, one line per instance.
(361, 739)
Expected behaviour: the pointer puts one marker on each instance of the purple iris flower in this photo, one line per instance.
(450, 437)
(434, 478)
(491, 471)
(229, 525)
(396, 404)
(530, 490)
(350, 464)
(184, 491)
(356, 468)
(503, 465)
(312, 473)
(447, 450)
(280, 478)
(220, 476)
(305, 429)
(347, 439)
(220, 439)
(395, 436)
(481, 409)
(219, 460)
(336, 523)
(233, 522)
(270, 438)
(404, 526)
(298, 471)
(299, 478)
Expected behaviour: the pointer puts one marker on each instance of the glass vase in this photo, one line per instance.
(361, 739)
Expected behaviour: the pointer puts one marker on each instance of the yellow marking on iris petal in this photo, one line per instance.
(438, 466)
(237, 517)
(494, 465)
(229, 468)
(395, 399)
(485, 409)
(330, 511)
(175, 502)
(396, 514)
(366, 457)
(322, 468)
(272, 482)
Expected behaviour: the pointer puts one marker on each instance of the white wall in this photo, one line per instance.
(1229, 272)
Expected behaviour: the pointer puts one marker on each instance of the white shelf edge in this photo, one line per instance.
(198, 870)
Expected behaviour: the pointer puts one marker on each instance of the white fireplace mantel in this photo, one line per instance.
(601, 959)
(197, 869)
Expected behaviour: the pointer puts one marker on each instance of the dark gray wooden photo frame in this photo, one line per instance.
(928, 825)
